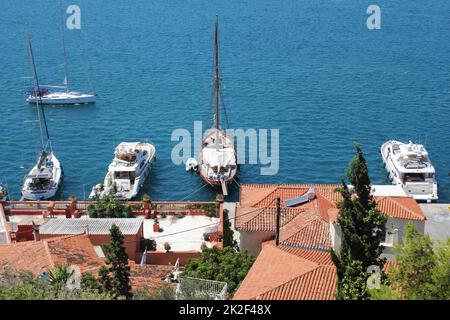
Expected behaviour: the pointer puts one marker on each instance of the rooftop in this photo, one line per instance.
(40, 256)
(174, 232)
(289, 274)
(97, 226)
(257, 208)
(300, 266)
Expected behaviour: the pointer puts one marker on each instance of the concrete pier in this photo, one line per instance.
(437, 225)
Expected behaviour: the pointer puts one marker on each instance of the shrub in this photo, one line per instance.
(179, 215)
(167, 247)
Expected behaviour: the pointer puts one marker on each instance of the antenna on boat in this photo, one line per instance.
(66, 77)
(40, 109)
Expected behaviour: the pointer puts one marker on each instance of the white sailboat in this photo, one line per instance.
(217, 163)
(44, 179)
(127, 172)
(53, 95)
(408, 165)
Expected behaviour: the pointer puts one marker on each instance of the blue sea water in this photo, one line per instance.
(311, 69)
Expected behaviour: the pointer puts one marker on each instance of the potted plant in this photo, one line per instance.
(156, 225)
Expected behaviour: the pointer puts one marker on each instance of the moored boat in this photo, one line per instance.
(60, 95)
(408, 165)
(217, 163)
(127, 172)
(44, 179)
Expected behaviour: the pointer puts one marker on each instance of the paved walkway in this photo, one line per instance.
(437, 224)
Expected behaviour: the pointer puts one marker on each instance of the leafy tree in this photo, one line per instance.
(109, 207)
(227, 232)
(415, 264)
(441, 272)
(59, 275)
(221, 265)
(116, 276)
(166, 292)
(363, 226)
(89, 282)
(24, 286)
(421, 270)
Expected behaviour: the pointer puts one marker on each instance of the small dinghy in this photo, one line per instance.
(191, 164)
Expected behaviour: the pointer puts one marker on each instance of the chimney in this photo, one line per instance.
(36, 234)
(277, 236)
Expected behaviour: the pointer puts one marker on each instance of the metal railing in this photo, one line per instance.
(189, 288)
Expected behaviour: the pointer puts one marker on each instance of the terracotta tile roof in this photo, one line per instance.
(317, 284)
(148, 277)
(74, 250)
(287, 273)
(40, 256)
(25, 256)
(400, 207)
(314, 234)
(316, 256)
(264, 219)
(263, 197)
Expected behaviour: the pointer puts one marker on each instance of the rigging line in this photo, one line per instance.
(224, 109)
(195, 191)
(211, 106)
(66, 74)
(196, 228)
(36, 83)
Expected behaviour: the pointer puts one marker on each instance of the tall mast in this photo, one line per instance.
(66, 76)
(216, 77)
(39, 107)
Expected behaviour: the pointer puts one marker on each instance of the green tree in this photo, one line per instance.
(109, 207)
(24, 286)
(59, 275)
(166, 292)
(225, 265)
(227, 232)
(421, 270)
(116, 276)
(363, 226)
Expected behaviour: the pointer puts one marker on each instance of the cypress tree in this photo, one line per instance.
(227, 232)
(117, 275)
(363, 227)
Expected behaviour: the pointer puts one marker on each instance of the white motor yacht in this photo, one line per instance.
(127, 172)
(409, 166)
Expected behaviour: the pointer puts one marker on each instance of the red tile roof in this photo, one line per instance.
(149, 277)
(256, 210)
(286, 273)
(300, 267)
(40, 256)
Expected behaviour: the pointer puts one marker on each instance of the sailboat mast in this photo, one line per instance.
(66, 76)
(39, 107)
(216, 77)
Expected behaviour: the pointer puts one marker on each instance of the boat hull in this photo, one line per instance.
(135, 188)
(64, 99)
(44, 194)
